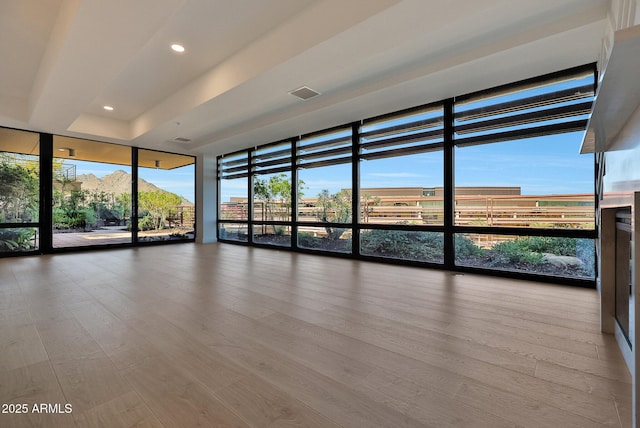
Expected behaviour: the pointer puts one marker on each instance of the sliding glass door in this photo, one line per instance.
(91, 193)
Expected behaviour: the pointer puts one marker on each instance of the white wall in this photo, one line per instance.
(623, 166)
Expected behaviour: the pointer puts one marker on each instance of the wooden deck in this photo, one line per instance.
(223, 335)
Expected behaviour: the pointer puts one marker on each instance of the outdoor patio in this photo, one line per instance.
(102, 236)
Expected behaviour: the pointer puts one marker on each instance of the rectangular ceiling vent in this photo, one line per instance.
(181, 140)
(304, 93)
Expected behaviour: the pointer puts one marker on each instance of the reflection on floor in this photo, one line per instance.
(228, 335)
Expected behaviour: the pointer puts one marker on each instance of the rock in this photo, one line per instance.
(562, 261)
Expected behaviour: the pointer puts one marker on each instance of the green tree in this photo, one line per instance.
(19, 200)
(334, 208)
(75, 211)
(275, 195)
(159, 206)
(19, 191)
(123, 205)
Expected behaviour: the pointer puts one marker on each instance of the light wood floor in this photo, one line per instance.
(222, 335)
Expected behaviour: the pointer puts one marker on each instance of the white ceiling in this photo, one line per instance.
(62, 60)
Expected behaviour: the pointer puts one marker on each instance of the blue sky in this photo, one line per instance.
(179, 181)
(540, 166)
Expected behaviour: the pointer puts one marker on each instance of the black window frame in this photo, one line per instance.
(45, 221)
(448, 143)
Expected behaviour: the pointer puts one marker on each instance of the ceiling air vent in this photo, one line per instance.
(181, 140)
(304, 93)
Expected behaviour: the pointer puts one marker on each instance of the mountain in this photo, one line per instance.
(118, 182)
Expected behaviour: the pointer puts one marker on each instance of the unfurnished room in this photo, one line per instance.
(319, 213)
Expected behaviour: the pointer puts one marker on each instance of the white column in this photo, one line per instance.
(206, 196)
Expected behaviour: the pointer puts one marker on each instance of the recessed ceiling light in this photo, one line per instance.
(108, 108)
(177, 48)
(72, 152)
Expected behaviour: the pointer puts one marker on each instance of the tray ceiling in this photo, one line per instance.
(63, 60)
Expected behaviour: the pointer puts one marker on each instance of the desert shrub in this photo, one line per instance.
(71, 212)
(60, 219)
(551, 245)
(78, 218)
(147, 223)
(531, 249)
(307, 240)
(90, 217)
(402, 244)
(517, 251)
(465, 247)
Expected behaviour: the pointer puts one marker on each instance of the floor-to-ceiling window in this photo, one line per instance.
(166, 196)
(93, 197)
(233, 191)
(402, 185)
(19, 191)
(272, 195)
(325, 196)
(91, 193)
(522, 189)
(487, 181)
